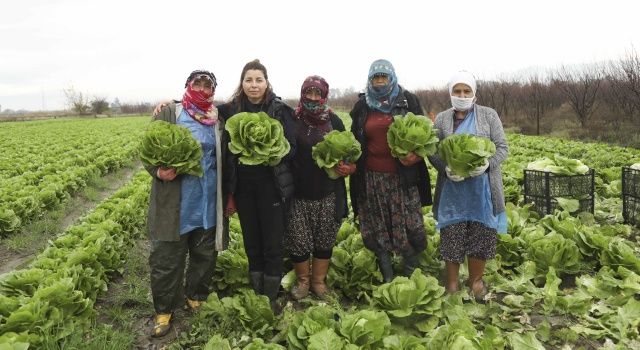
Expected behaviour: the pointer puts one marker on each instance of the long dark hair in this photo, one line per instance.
(239, 94)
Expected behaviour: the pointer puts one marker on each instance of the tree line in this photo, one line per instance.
(595, 95)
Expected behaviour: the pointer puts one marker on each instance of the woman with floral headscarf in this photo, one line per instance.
(470, 211)
(185, 211)
(319, 203)
(387, 193)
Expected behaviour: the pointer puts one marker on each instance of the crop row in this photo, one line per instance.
(54, 296)
(43, 163)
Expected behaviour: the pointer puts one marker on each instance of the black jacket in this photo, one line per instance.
(312, 182)
(415, 175)
(278, 110)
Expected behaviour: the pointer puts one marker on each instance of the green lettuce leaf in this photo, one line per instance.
(171, 146)
(411, 133)
(257, 138)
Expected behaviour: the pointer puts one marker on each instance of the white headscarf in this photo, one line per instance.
(463, 77)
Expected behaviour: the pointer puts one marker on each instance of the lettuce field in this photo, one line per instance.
(566, 280)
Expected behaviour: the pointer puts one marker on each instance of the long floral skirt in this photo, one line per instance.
(390, 216)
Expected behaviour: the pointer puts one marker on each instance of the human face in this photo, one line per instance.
(380, 80)
(254, 85)
(202, 83)
(462, 91)
(313, 94)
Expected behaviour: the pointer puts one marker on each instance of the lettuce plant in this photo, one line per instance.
(465, 152)
(559, 165)
(410, 301)
(257, 138)
(336, 146)
(171, 146)
(411, 133)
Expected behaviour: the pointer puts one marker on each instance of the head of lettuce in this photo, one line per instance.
(257, 138)
(171, 146)
(465, 152)
(336, 146)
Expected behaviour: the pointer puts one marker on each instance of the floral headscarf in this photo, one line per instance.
(199, 104)
(316, 115)
(382, 98)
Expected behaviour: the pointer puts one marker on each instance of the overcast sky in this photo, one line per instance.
(144, 50)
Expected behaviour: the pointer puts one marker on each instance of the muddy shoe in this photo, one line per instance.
(161, 325)
(194, 304)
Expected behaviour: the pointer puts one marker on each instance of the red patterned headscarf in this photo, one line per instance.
(199, 104)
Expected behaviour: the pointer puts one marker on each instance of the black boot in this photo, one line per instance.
(384, 263)
(410, 263)
(256, 280)
(271, 289)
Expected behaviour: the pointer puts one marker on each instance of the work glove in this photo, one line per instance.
(480, 170)
(453, 177)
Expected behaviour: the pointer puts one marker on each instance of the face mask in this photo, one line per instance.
(462, 103)
(311, 105)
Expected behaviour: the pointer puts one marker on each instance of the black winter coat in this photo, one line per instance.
(415, 175)
(278, 110)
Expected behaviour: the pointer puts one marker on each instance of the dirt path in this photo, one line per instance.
(14, 258)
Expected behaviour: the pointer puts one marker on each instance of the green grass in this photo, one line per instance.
(36, 233)
(102, 337)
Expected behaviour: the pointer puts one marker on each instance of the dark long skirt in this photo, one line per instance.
(390, 216)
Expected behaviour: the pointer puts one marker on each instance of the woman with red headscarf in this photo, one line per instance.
(319, 203)
(186, 212)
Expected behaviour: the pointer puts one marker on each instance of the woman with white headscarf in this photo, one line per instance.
(470, 211)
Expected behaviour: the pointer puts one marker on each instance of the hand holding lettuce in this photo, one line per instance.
(169, 145)
(464, 153)
(257, 138)
(411, 134)
(336, 146)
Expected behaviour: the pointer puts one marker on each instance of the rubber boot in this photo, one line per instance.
(301, 288)
(319, 270)
(384, 263)
(271, 289)
(256, 279)
(410, 263)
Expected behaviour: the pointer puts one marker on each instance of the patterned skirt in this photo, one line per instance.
(311, 225)
(390, 216)
(467, 238)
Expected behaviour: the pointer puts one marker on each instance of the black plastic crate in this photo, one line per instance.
(631, 196)
(541, 188)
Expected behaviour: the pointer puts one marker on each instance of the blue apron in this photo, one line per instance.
(198, 196)
(470, 199)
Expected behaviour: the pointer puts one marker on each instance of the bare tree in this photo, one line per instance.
(623, 88)
(488, 95)
(580, 88)
(507, 89)
(536, 98)
(434, 100)
(497, 94)
(76, 100)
